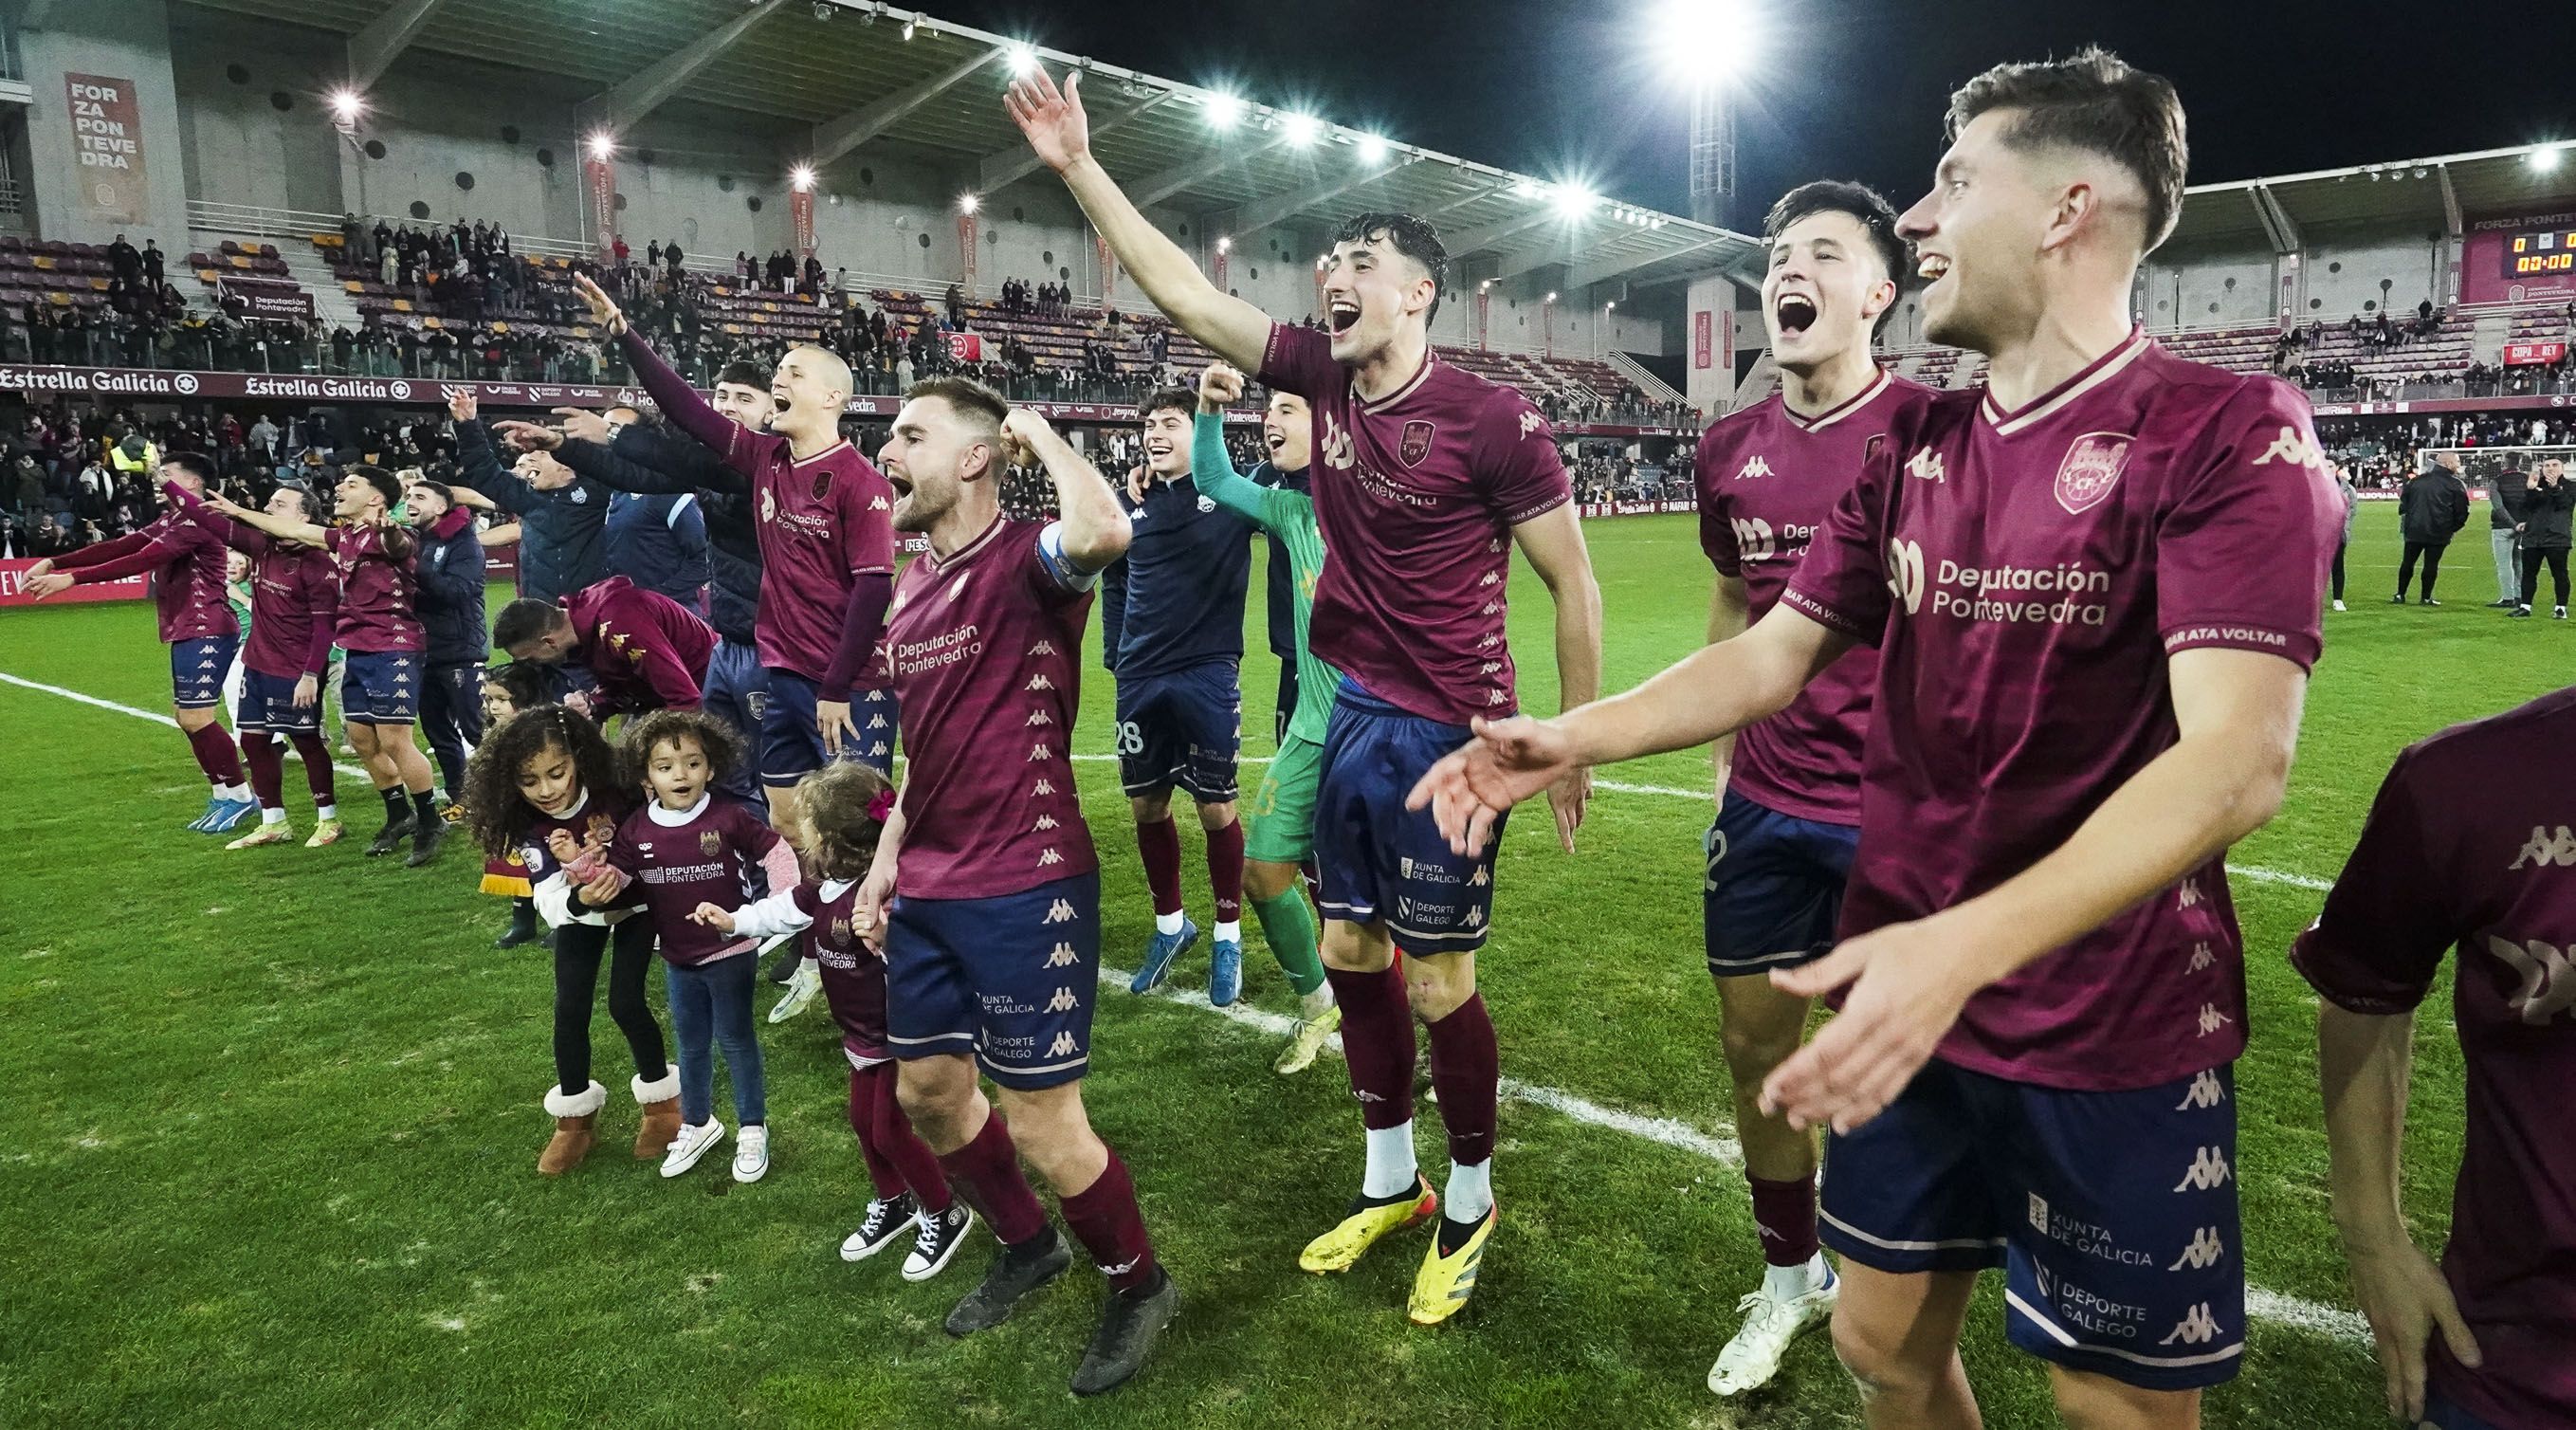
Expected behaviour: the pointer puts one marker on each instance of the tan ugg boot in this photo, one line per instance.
(575, 1119)
(661, 1125)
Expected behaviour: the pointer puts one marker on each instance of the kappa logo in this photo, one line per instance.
(1062, 956)
(1045, 822)
(2211, 1020)
(878, 504)
(2545, 849)
(1040, 717)
(2190, 895)
(1063, 1046)
(1059, 912)
(2201, 958)
(1489, 667)
(1416, 441)
(1497, 697)
(2205, 1251)
(1492, 578)
(1753, 469)
(1041, 648)
(2205, 1091)
(1337, 443)
(1475, 917)
(1489, 641)
(2294, 447)
(1042, 787)
(2090, 470)
(1530, 422)
(1494, 547)
(1039, 681)
(1905, 572)
(1062, 1000)
(1925, 465)
(2548, 989)
(958, 587)
(2196, 1328)
(876, 722)
(1480, 878)
(1040, 751)
(900, 599)
(1049, 857)
(2208, 1171)
(1753, 538)
(1491, 607)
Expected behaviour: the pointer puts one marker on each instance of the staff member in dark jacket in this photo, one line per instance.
(2548, 515)
(562, 518)
(2430, 511)
(2504, 520)
(450, 605)
(656, 540)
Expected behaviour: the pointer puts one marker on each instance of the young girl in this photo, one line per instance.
(688, 846)
(507, 690)
(545, 784)
(840, 811)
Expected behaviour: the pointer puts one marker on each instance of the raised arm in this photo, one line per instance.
(673, 462)
(1094, 528)
(1060, 132)
(303, 532)
(96, 552)
(478, 463)
(1211, 466)
(670, 391)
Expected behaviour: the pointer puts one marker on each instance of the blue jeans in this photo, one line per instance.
(712, 1002)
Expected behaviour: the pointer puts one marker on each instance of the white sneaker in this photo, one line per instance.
(2338, 605)
(692, 1143)
(799, 996)
(751, 1153)
(1753, 1357)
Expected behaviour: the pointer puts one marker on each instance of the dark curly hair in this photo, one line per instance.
(496, 812)
(528, 683)
(833, 804)
(723, 748)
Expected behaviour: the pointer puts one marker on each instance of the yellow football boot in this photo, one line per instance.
(1342, 1247)
(1442, 1286)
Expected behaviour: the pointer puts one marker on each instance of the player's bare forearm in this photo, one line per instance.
(1714, 691)
(1234, 329)
(2362, 1066)
(1729, 608)
(2239, 716)
(282, 528)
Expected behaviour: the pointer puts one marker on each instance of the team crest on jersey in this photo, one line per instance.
(1416, 443)
(2092, 467)
(1207, 504)
(599, 830)
(710, 843)
(840, 930)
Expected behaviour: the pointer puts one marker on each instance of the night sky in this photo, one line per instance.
(1844, 88)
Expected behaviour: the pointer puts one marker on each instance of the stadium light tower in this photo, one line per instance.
(346, 106)
(602, 145)
(1705, 46)
(801, 178)
(2545, 160)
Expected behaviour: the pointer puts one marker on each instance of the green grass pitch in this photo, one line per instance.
(268, 1121)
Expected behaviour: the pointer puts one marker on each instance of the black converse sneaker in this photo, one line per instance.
(938, 1240)
(1130, 1324)
(887, 1219)
(1013, 1275)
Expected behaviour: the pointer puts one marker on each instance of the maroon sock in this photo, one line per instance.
(267, 768)
(1160, 843)
(1466, 1068)
(1377, 1043)
(215, 754)
(1105, 1218)
(1225, 869)
(1785, 1213)
(890, 1137)
(863, 1110)
(987, 1173)
(317, 768)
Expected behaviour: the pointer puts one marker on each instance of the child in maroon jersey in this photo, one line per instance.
(507, 690)
(841, 810)
(688, 845)
(544, 787)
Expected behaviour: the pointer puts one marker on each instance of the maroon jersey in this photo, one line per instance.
(707, 854)
(593, 819)
(2468, 846)
(377, 587)
(821, 523)
(2025, 576)
(985, 644)
(1417, 494)
(187, 564)
(854, 980)
(1767, 479)
(294, 598)
(647, 651)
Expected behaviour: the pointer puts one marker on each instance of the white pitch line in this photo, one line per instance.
(154, 716)
(2293, 1311)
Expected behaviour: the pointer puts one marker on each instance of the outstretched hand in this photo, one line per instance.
(714, 917)
(603, 309)
(528, 436)
(462, 404)
(1509, 760)
(1052, 119)
(1905, 994)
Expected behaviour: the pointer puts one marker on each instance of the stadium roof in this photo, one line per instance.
(872, 73)
(2448, 189)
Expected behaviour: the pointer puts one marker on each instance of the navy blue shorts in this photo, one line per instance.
(2113, 1214)
(791, 745)
(198, 668)
(1380, 861)
(382, 687)
(737, 692)
(2443, 1413)
(1774, 888)
(1183, 727)
(268, 703)
(1009, 979)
